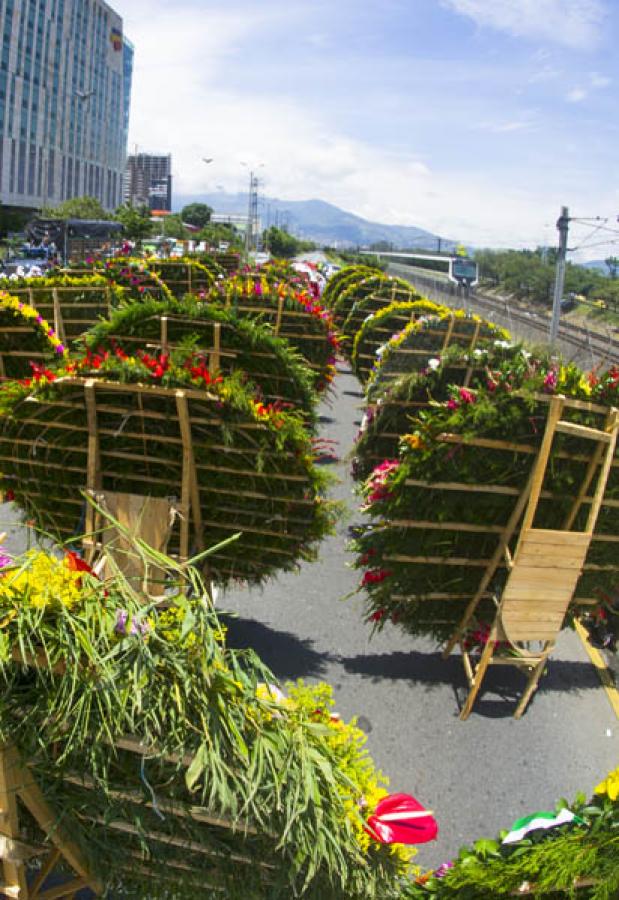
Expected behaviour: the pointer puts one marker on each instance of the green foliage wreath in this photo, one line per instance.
(27, 340)
(367, 296)
(303, 321)
(393, 414)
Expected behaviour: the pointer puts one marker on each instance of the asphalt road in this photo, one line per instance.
(479, 775)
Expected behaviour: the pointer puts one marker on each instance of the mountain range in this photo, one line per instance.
(322, 222)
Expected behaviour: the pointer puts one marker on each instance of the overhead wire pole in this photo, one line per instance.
(563, 227)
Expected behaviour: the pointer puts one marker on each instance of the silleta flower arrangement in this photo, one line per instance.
(390, 416)
(339, 281)
(254, 462)
(275, 372)
(149, 734)
(380, 324)
(428, 337)
(437, 511)
(75, 303)
(364, 297)
(25, 336)
(293, 315)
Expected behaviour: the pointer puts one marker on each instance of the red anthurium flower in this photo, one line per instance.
(76, 563)
(400, 819)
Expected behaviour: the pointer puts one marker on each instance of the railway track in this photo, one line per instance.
(587, 348)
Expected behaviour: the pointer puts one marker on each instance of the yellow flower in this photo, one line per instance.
(610, 785)
(413, 441)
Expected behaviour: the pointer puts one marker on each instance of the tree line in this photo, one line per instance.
(530, 275)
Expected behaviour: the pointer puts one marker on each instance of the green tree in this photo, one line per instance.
(284, 245)
(612, 264)
(216, 232)
(173, 228)
(76, 208)
(198, 214)
(135, 221)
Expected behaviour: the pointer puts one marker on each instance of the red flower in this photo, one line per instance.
(9, 495)
(388, 825)
(379, 615)
(76, 563)
(375, 576)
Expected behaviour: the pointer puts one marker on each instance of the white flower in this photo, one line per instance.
(368, 318)
(503, 344)
(434, 363)
(381, 350)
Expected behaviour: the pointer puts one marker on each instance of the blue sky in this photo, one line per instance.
(476, 119)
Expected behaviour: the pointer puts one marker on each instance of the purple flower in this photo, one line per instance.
(121, 621)
(39, 318)
(5, 559)
(60, 348)
(443, 869)
(137, 628)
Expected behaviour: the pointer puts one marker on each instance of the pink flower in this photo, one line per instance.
(452, 404)
(550, 382)
(466, 396)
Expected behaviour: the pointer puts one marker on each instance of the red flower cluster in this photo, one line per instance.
(200, 373)
(39, 372)
(158, 365)
(375, 576)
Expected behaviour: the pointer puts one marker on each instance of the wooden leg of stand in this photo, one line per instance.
(532, 683)
(478, 677)
(14, 880)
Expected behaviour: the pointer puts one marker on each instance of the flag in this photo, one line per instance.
(116, 38)
(539, 820)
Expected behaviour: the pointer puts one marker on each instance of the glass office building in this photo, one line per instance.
(65, 87)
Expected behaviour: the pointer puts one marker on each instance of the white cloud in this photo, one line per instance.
(599, 81)
(574, 23)
(511, 126)
(190, 64)
(576, 95)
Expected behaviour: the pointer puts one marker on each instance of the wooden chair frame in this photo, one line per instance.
(18, 784)
(538, 592)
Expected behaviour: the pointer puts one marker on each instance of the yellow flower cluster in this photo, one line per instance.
(7, 301)
(41, 581)
(169, 626)
(610, 786)
(348, 743)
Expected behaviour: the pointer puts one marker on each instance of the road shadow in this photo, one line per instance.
(358, 394)
(286, 655)
(431, 671)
